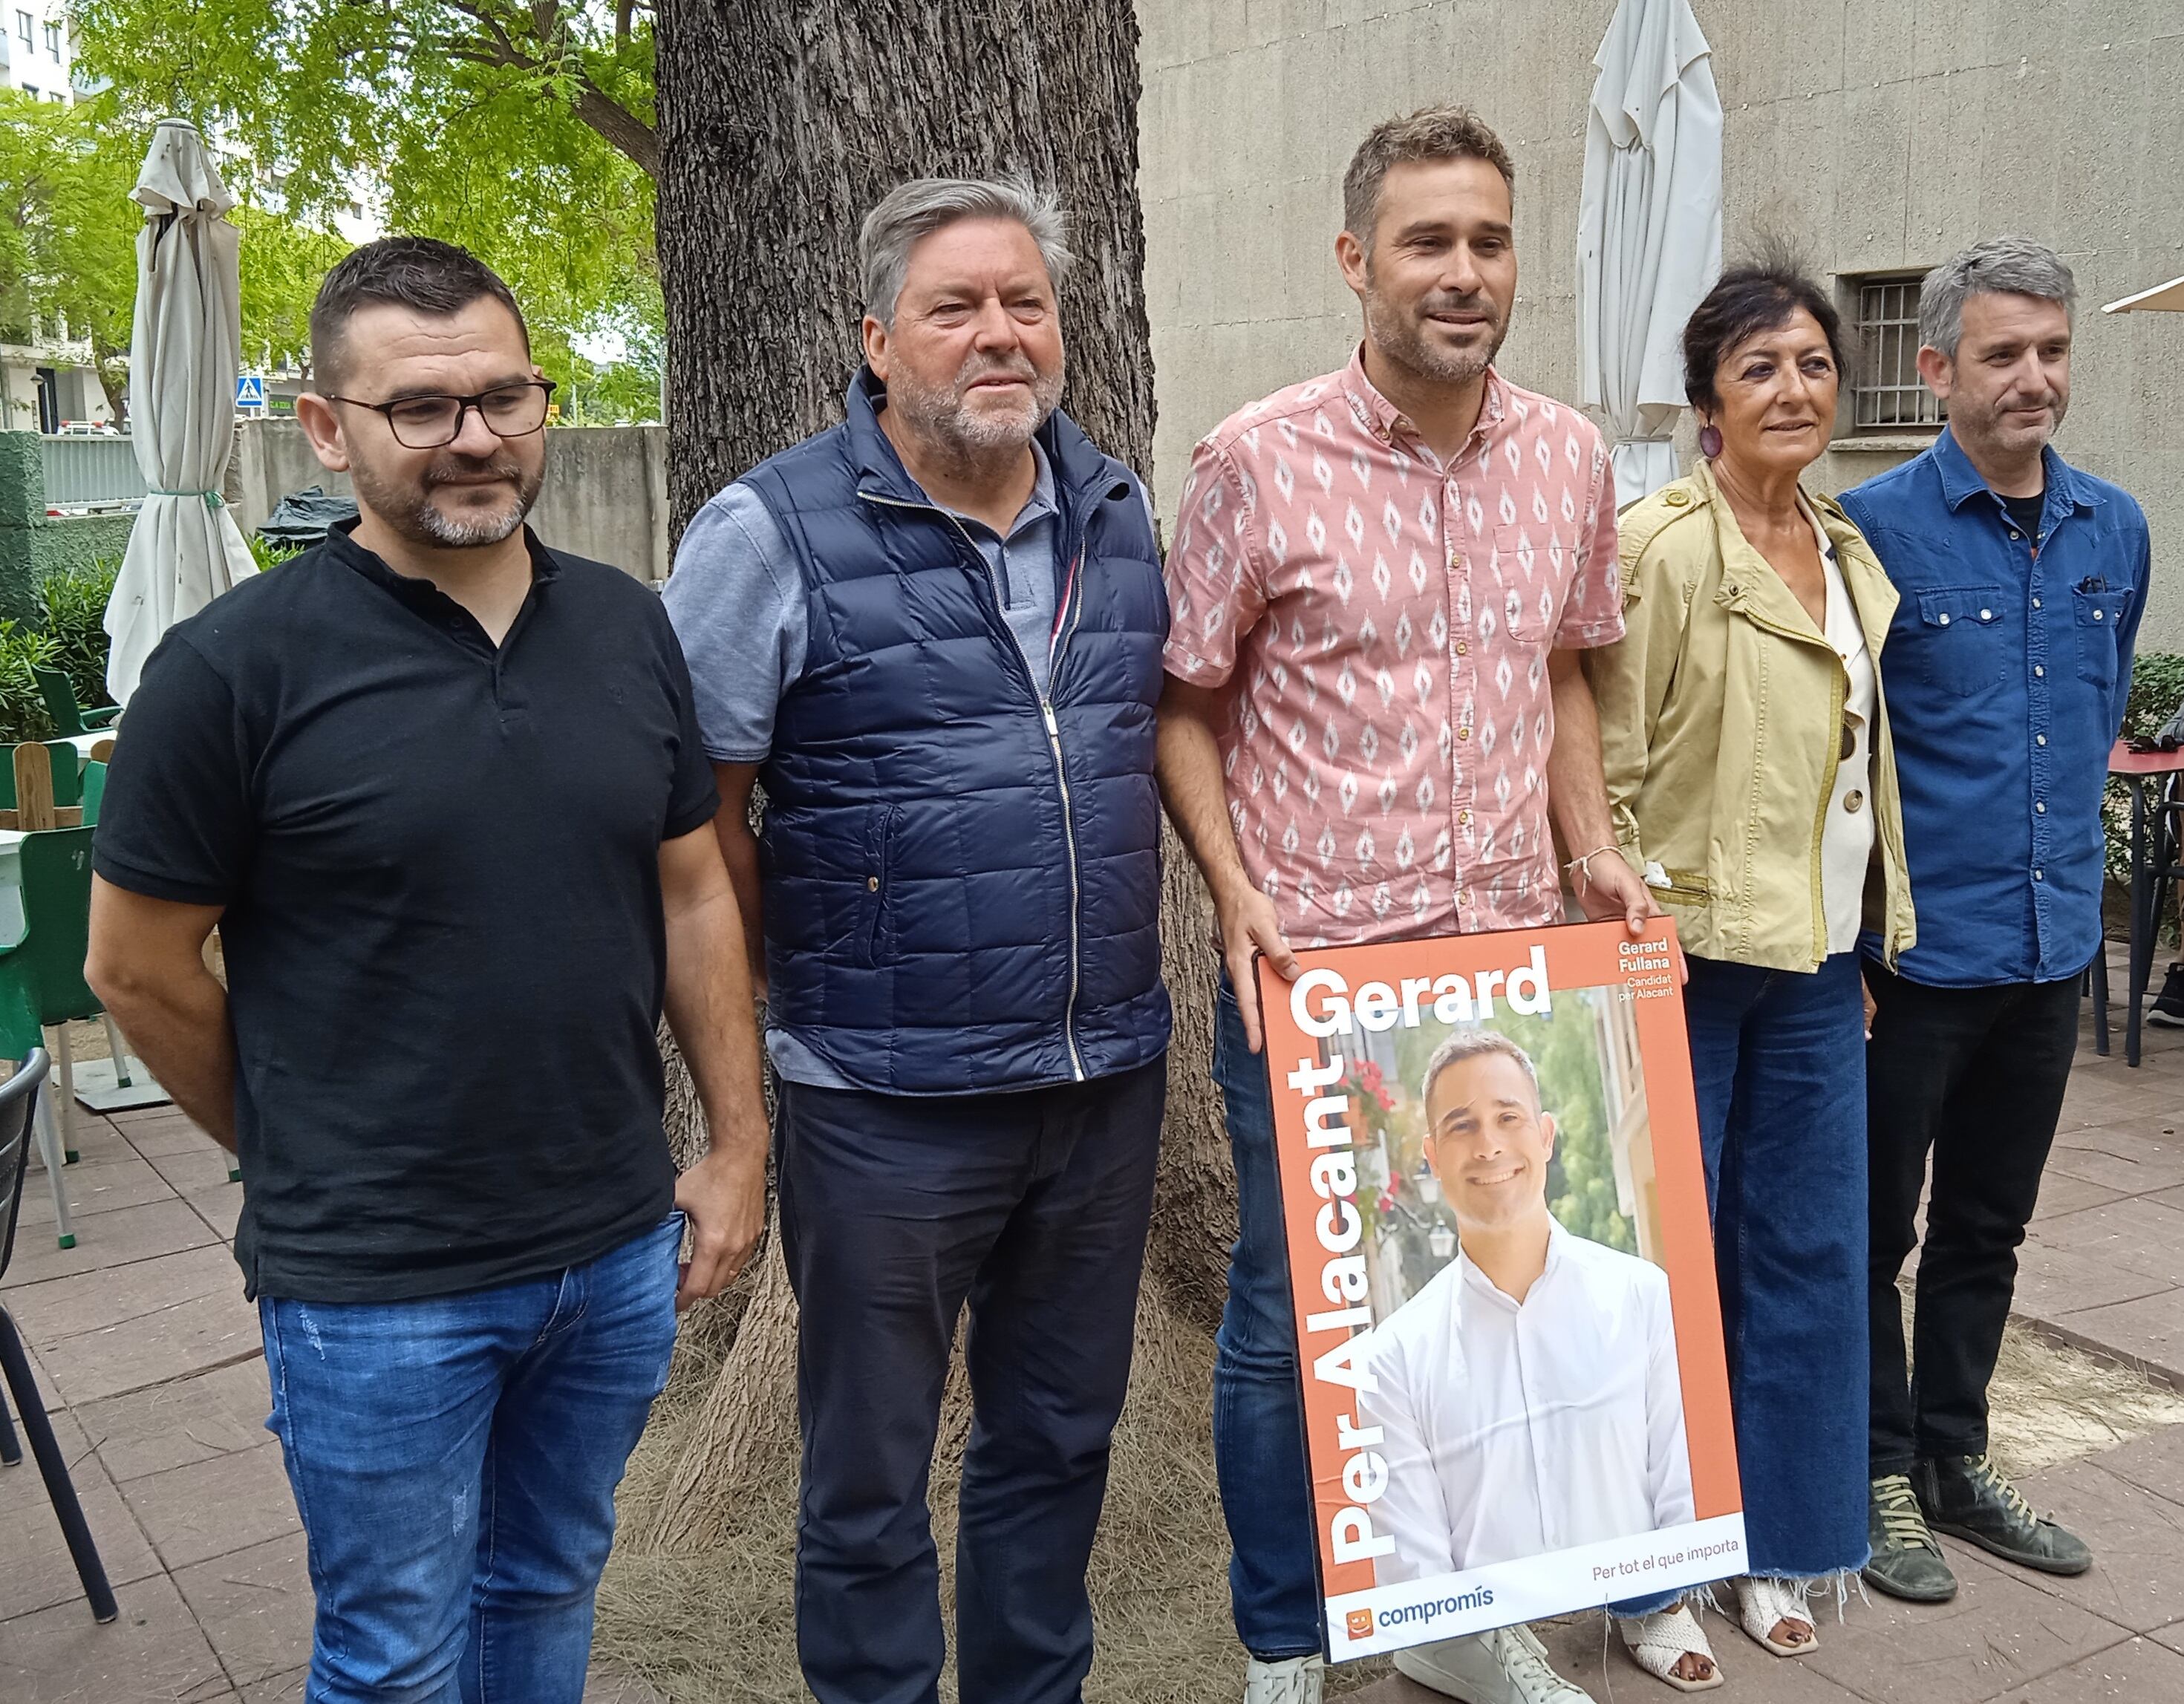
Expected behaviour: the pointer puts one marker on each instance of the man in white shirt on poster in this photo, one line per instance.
(1529, 1394)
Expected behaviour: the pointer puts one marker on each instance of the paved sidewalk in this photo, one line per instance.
(144, 1344)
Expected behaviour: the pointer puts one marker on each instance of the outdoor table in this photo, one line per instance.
(2156, 861)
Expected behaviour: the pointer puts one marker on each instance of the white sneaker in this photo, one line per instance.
(1507, 1666)
(1296, 1680)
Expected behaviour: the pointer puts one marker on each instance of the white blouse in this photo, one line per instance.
(1847, 838)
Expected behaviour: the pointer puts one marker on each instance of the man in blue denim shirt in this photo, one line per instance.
(2007, 667)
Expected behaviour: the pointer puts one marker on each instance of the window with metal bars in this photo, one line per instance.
(1888, 395)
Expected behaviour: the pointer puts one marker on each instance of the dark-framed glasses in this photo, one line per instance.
(430, 422)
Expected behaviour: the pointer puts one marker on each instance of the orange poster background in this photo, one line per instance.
(1578, 956)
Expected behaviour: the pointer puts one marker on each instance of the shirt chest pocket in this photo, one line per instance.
(1963, 645)
(1526, 580)
(2099, 614)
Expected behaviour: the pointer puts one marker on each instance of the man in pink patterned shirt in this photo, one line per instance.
(1381, 582)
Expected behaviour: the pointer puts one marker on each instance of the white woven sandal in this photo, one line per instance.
(1657, 1642)
(1762, 1602)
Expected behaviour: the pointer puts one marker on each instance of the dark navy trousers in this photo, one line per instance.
(896, 1211)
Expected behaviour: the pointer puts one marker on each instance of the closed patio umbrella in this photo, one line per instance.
(1649, 229)
(184, 549)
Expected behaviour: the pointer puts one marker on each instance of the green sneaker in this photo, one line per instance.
(1906, 1563)
(1965, 1497)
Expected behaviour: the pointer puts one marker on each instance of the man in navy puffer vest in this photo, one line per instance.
(933, 636)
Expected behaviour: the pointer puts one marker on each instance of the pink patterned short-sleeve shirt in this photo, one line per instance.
(1387, 619)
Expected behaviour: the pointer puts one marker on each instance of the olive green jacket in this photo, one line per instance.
(1721, 719)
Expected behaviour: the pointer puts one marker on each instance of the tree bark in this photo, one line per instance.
(780, 126)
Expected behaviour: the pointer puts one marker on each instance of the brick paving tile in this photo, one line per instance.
(2054, 1283)
(154, 1654)
(20, 1487)
(255, 1608)
(212, 1507)
(281, 1689)
(2148, 1332)
(35, 1571)
(218, 1208)
(173, 1425)
(2172, 1637)
(194, 1336)
(2061, 1194)
(171, 1133)
(124, 1235)
(2139, 1236)
(2137, 1540)
(1999, 1633)
(2139, 1670)
(93, 1187)
(2122, 1156)
(65, 1307)
(96, 1139)
(196, 1169)
(2154, 1462)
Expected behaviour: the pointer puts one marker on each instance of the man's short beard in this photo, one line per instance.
(943, 415)
(1398, 337)
(408, 510)
(1986, 425)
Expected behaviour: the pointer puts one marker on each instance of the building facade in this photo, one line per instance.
(1878, 136)
(40, 55)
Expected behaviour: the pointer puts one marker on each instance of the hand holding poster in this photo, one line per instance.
(1515, 1399)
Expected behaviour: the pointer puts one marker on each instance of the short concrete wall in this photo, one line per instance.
(605, 495)
(33, 544)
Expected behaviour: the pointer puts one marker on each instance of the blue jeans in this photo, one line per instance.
(1778, 1059)
(1258, 1427)
(454, 1462)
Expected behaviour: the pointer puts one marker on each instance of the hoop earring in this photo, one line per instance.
(1710, 441)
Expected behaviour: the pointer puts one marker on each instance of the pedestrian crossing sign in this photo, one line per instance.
(249, 390)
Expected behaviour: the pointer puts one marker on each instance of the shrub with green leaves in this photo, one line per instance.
(267, 555)
(72, 614)
(22, 707)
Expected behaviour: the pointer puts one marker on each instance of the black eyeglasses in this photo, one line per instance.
(430, 422)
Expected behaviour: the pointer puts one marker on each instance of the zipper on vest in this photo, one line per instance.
(1053, 746)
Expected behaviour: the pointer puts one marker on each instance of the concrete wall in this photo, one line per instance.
(1877, 134)
(605, 495)
(32, 543)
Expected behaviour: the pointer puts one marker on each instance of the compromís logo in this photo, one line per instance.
(1359, 1623)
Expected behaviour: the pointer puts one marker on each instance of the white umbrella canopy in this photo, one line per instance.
(1649, 229)
(2165, 298)
(184, 549)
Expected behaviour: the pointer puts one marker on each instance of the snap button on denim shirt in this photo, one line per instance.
(2006, 671)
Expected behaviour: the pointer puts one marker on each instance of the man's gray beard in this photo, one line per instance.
(409, 510)
(1986, 427)
(1399, 339)
(942, 416)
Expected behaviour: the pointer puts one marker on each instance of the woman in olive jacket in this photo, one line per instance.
(1753, 784)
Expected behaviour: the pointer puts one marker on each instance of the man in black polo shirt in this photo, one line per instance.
(441, 791)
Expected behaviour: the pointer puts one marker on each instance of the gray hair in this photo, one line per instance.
(2001, 265)
(913, 211)
(1475, 1044)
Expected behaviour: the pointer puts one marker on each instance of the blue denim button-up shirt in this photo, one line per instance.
(2006, 669)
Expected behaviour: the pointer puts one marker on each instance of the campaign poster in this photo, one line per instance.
(1509, 1339)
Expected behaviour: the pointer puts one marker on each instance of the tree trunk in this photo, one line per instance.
(780, 125)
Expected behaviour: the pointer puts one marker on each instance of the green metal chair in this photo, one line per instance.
(94, 791)
(69, 717)
(41, 983)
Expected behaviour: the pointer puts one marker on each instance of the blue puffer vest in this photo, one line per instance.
(962, 882)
